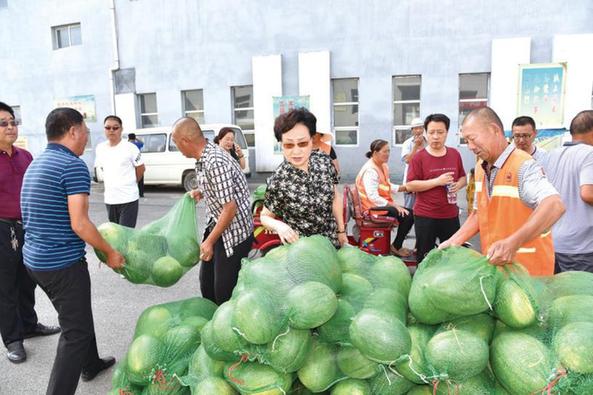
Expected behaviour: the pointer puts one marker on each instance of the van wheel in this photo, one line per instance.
(190, 181)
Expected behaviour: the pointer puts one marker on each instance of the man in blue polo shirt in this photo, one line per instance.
(54, 203)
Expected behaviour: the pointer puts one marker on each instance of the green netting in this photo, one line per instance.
(161, 252)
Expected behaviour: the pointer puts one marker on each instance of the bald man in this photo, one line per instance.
(515, 204)
(229, 234)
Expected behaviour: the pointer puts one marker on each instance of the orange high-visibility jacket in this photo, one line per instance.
(501, 214)
(384, 184)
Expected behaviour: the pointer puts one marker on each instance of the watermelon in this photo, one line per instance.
(479, 324)
(537, 330)
(169, 385)
(256, 316)
(202, 365)
(480, 384)
(212, 349)
(314, 258)
(391, 272)
(320, 370)
(288, 352)
(514, 306)
(573, 345)
(143, 356)
(355, 365)
(278, 254)
(155, 321)
(213, 385)
(310, 305)
(572, 308)
(135, 274)
(116, 236)
(458, 354)
(421, 390)
(354, 261)
(571, 283)
(256, 378)
(179, 343)
(388, 383)
(379, 336)
(166, 271)
(222, 329)
(389, 301)
(355, 290)
(266, 274)
(351, 387)
(184, 249)
(153, 245)
(197, 307)
(336, 330)
(520, 362)
(413, 366)
(195, 322)
(421, 307)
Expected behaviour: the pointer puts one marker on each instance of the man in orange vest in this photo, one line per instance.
(515, 203)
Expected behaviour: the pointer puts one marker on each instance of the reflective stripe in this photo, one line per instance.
(526, 250)
(362, 194)
(545, 234)
(505, 191)
(384, 187)
(478, 185)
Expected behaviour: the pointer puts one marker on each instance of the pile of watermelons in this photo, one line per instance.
(309, 319)
(161, 252)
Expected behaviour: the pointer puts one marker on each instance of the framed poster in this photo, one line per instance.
(541, 93)
(83, 104)
(283, 104)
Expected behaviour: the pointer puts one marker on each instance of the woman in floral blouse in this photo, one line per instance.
(302, 197)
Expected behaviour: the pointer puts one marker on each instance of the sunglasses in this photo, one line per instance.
(302, 144)
(4, 124)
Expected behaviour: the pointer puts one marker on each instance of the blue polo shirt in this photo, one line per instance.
(50, 242)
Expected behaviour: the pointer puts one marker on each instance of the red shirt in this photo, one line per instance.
(433, 202)
(12, 170)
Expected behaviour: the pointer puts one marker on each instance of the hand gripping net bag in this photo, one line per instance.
(161, 252)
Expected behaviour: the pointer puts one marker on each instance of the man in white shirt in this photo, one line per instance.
(122, 167)
(524, 133)
(409, 148)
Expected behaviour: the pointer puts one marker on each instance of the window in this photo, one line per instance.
(3, 3)
(66, 35)
(149, 116)
(345, 99)
(193, 104)
(473, 93)
(242, 97)
(406, 105)
(17, 114)
(153, 142)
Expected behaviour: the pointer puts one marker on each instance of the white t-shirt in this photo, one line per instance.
(119, 164)
(407, 148)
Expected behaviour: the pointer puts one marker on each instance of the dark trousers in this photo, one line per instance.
(17, 289)
(405, 224)
(124, 214)
(429, 229)
(218, 277)
(69, 290)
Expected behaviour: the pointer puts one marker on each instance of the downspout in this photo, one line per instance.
(115, 65)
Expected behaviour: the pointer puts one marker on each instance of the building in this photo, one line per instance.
(368, 67)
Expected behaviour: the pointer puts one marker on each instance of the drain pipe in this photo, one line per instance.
(115, 65)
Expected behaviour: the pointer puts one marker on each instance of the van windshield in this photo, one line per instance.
(209, 134)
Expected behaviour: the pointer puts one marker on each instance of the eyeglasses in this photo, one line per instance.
(111, 127)
(301, 144)
(521, 136)
(12, 122)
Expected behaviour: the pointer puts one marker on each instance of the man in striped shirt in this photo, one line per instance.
(54, 203)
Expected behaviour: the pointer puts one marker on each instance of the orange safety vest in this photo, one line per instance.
(501, 214)
(320, 143)
(384, 185)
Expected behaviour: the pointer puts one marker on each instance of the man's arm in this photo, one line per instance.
(229, 210)
(425, 185)
(543, 217)
(78, 208)
(140, 172)
(587, 193)
(469, 229)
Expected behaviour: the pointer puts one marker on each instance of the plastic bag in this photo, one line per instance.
(161, 252)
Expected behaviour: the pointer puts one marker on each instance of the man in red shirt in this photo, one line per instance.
(436, 174)
(18, 319)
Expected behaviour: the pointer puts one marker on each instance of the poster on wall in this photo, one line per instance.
(541, 93)
(283, 104)
(84, 104)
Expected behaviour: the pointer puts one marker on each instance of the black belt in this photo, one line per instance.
(11, 222)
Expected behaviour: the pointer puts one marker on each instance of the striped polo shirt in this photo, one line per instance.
(50, 242)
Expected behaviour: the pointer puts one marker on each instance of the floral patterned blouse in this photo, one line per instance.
(303, 200)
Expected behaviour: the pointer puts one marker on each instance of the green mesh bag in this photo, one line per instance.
(161, 252)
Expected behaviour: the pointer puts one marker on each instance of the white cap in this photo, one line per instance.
(417, 122)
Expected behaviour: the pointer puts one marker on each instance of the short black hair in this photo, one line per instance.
(524, 120)
(437, 118)
(132, 136)
(60, 120)
(115, 118)
(582, 123)
(7, 108)
(288, 120)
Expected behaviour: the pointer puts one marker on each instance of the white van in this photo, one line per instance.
(165, 165)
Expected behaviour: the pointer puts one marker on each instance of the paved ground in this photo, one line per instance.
(116, 305)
